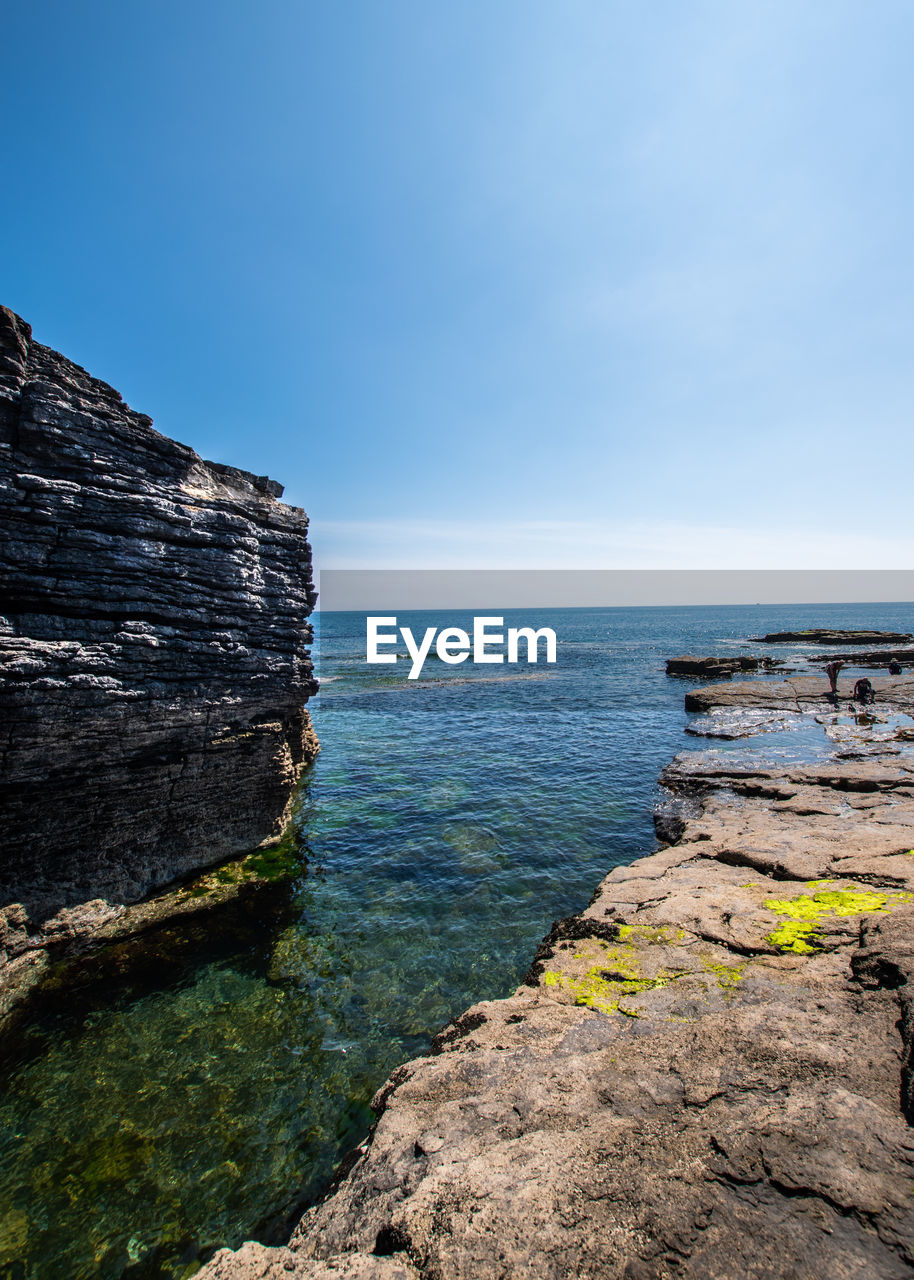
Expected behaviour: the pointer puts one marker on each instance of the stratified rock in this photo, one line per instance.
(825, 635)
(154, 646)
(708, 1073)
(710, 668)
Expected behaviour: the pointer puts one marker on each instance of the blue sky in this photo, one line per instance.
(500, 284)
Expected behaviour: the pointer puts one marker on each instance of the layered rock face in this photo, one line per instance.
(713, 668)
(710, 668)
(154, 649)
(707, 1073)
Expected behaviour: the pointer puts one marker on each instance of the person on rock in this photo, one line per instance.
(832, 672)
(894, 668)
(863, 691)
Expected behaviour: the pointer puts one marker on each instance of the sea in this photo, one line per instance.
(200, 1087)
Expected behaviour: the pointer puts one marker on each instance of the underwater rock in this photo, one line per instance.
(154, 644)
(708, 1072)
(733, 722)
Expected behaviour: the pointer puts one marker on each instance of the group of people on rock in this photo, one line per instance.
(864, 692)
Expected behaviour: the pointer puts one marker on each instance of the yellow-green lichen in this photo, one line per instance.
(603, 989)
(614, 975)
(628, 933)
(800, 931)
(839, 902)
(619, 963)
(795, 935)
(727, 975)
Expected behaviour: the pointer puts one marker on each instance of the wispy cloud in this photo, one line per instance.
(547, 544)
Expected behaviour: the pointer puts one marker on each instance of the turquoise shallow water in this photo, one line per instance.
(198, 1090)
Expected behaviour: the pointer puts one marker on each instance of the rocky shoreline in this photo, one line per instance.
(709, 1072)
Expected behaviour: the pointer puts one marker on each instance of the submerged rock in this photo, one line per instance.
(734, 722)
(154, 647)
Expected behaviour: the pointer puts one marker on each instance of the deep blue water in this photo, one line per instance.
(194, 1100)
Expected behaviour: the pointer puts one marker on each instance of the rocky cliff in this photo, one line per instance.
(154, 649)
(707, 1073)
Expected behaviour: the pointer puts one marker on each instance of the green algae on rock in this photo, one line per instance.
(801, 931)
(613, 978)
(615, 973)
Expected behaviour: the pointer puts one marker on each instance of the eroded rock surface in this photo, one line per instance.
(707, 1073)
(154, 648)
